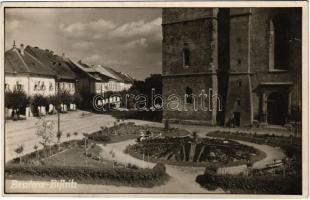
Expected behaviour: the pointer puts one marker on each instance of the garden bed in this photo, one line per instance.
(291, 146)
(69, 160)
(186, 151)
(281, 179)
(127, 130)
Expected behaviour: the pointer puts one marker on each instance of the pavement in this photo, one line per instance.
(23, 132)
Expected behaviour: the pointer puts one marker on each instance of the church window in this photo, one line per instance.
(189, 95)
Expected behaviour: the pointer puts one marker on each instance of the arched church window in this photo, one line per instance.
(279, 43)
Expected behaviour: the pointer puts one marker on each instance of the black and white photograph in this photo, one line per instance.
(156, 100)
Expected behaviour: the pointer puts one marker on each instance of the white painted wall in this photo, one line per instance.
(43, 86)
(11, 82)
(67, 86)
(37, 85)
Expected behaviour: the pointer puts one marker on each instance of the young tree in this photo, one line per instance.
(16, 100)
(58, 135)
(85, 146)
(76, 134)
(19, 151)
(38, 100)
(68, 136)
(45, 130)
(35, 147)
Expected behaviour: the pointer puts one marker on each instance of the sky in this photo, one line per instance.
(126, 39)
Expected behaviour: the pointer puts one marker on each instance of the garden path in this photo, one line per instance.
(182, 179)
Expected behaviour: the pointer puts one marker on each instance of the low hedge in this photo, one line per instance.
(252, 184)
(121, 176)
(35, 156)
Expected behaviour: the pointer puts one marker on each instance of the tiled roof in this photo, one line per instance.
(56, 63)
(103, 71)
(15, 62)
(44, 62)
(125, 77)
(121, 76)
(82, 67)
(115, 73)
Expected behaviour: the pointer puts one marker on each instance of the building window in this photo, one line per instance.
(43, 86)
(189, 95)
(186, 55)
(7, 87)
(238, 102)
(19, 86)
(239, 83)
(279, 43)
(51, 87)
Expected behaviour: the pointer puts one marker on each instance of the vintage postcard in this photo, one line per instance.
(199, 99)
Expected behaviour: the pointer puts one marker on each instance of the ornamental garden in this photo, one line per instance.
(80, 156)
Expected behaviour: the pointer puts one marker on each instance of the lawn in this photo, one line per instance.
(76, 157)
(90, 168)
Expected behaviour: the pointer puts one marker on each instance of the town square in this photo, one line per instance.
(153, 100)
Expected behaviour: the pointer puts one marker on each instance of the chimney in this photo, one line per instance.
(14, 45)
(22, 49)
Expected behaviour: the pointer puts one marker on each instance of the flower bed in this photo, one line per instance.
(125, 131)
(191, 152)
(291, 146)
(282, 179)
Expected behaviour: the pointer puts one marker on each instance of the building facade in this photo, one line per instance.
(246, 60)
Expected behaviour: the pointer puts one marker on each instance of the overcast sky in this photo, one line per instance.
(127, 39)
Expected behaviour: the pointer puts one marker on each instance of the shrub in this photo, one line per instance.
(252, 184)
(132, 166)
(210, 170)
(38, 100)
(160, 167)
(16, 99)
(124, 176)
(99, 137)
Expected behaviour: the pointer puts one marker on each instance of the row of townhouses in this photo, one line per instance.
(41, 72)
